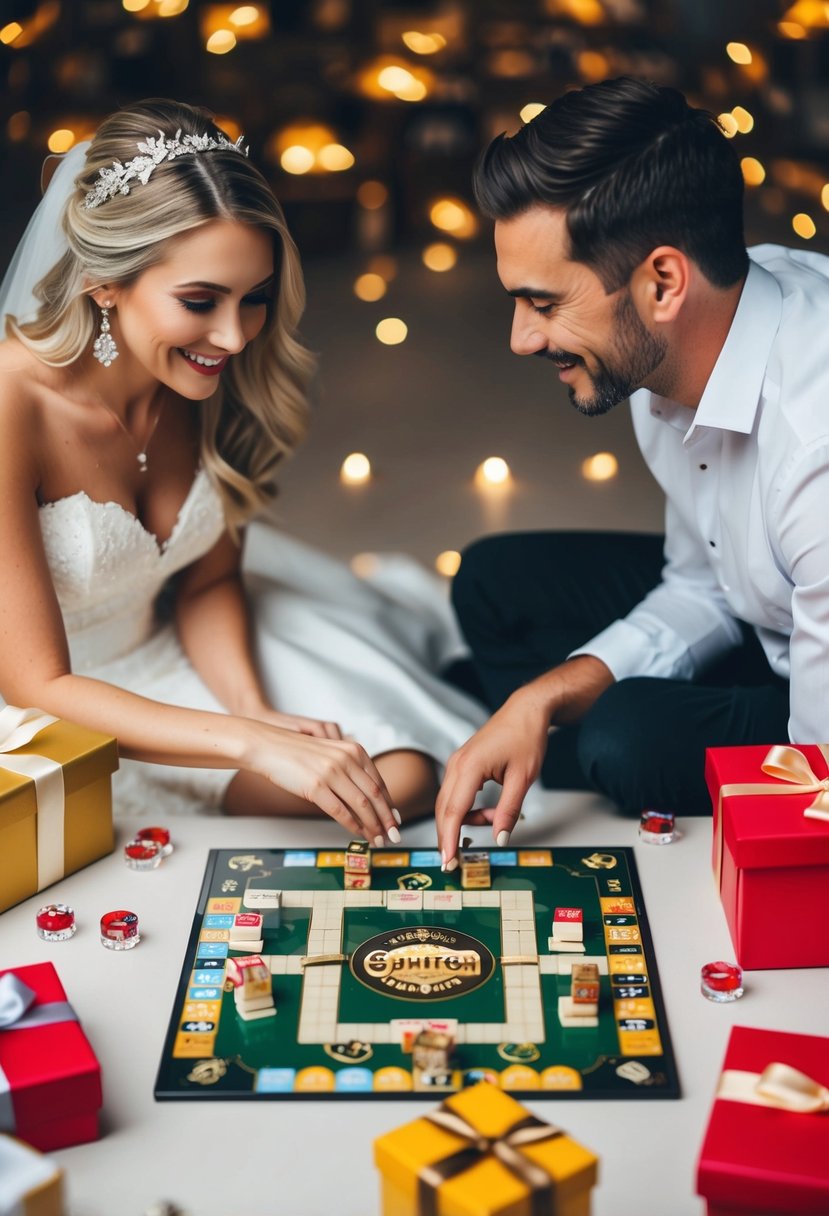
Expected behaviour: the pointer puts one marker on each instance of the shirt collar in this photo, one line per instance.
(732, 394)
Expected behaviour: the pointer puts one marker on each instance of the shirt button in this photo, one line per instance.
(703, 466)
(713, 544)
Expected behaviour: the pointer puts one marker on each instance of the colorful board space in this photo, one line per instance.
(352, 970)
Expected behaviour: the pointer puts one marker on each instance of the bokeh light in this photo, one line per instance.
(448, 563)
(391, 331)
(370, 287)
(494, 471)
(804, 225)
(600, 467)
(355, 469)
(440, 256)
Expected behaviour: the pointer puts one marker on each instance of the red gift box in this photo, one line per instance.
(772, 860)
(761, 1160)
(51, 1070)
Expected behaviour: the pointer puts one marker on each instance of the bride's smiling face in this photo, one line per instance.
(184, 318)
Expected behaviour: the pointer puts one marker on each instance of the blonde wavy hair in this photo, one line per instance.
(259, 411)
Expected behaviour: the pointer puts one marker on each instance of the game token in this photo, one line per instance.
(55, 922)
(721, 981)
(143, 854)
(658, 827)
(161, 835)
(119, 930)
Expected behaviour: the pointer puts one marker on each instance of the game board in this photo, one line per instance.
(352, 973)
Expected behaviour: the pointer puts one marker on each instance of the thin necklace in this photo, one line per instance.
(140, 452)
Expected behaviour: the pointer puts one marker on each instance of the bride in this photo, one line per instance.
(152, 378)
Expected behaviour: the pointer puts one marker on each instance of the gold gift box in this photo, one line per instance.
(33, 1184)
(88, 760)
(487, 1187)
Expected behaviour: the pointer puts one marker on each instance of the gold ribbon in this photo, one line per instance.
(778, 1085)
(526, 1130)
(785, 764)
(17, 728)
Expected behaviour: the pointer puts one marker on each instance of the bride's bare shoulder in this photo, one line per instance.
(21, 372)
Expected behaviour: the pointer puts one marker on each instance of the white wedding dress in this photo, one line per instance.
(329, 645)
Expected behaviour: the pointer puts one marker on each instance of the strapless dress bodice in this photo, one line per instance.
(107, 569)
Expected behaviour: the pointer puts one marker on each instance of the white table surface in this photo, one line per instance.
(314, 1158)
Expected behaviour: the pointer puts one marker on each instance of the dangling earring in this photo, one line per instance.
(104, 348)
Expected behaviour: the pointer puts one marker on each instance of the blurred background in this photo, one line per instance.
(367, 117)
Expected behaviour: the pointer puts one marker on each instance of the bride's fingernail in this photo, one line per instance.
(397, 816)
(443, 862)
(393, 835)
(379, 842)
(452, 864)
(502, 838)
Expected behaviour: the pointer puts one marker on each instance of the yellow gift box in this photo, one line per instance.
(481, 1153)
(47, 833)
(30, 1184)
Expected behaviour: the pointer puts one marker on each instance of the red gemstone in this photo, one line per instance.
(119, 925)
(658, 822)
(141, 850)
(161, 835)
(722, 977)
(55, 917)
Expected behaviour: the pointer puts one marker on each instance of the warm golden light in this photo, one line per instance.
(61, 140)
(792, 29)
(729, 125)
(171, 8)
(11, 31)
(423, 44)
(246, 14)
(448, 562)
(229, 125)
(453, 215)
(335, 158)
(372, 195)
(355, 469)
(531, 110)
(600, 467)
(364, 565)
(389, 76)
(593, 66)
(391, 331)
(804, 225)
(754, 173)
(220, 42)
(824, 195)
(135, 6)
(384, 265)
(586, 12)
(370, 287)
(18, 126)
(738, 52)
(812, 14)
(743, 119)
(297, 159)
(494, 471)
(440, 256)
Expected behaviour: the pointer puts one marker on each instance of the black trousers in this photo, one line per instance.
(525, 601)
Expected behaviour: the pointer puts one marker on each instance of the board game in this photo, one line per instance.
(404, 979)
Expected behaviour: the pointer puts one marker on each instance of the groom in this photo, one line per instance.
(612, 661)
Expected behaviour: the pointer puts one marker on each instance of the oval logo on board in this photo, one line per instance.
(428, 963)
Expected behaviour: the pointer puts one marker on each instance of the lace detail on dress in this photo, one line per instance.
(107, 569)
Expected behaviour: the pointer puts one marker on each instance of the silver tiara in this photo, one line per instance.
(116, 178)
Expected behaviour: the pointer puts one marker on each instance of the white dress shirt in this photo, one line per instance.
(746, 478)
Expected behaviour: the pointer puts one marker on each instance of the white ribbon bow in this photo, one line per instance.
(17, 728)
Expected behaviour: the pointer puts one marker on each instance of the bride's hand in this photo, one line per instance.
(336, 775)
(303, 726)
